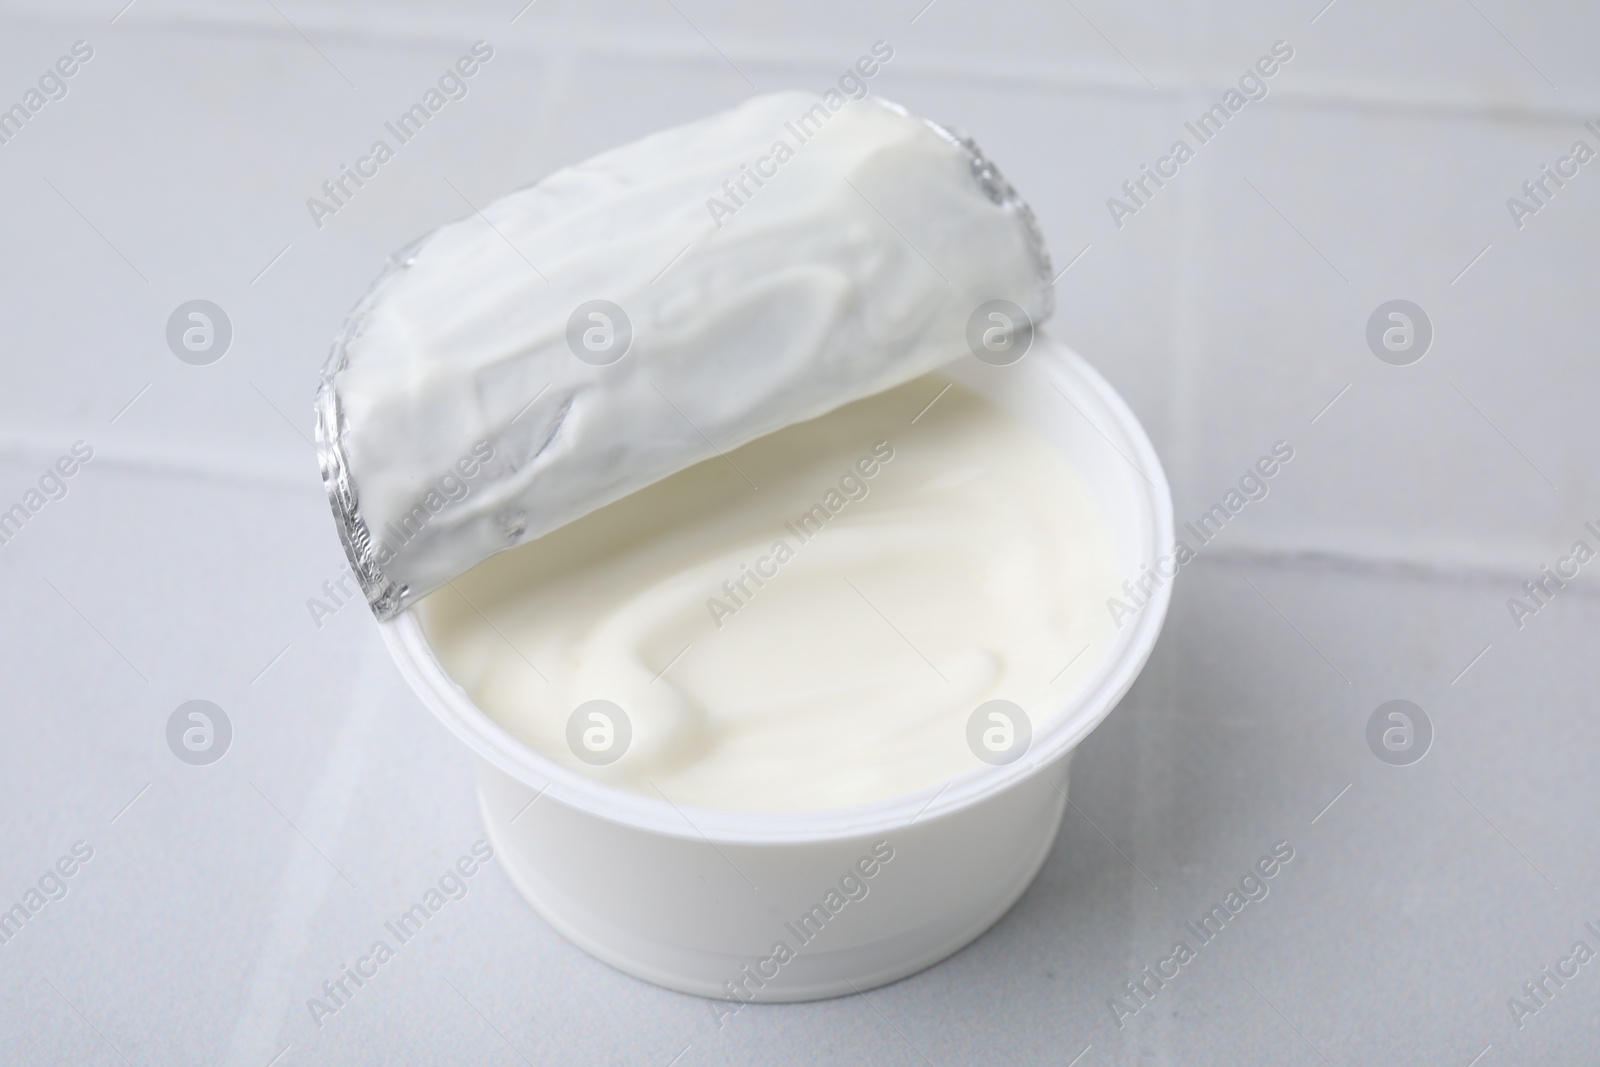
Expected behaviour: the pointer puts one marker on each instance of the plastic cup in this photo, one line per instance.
(698, 900)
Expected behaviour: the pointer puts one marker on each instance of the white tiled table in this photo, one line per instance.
(1230, 312)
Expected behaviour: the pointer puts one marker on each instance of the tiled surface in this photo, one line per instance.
(1229, 312)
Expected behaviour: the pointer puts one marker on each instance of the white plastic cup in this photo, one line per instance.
(698, 900)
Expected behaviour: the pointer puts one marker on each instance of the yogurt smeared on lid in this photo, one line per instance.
(588, 336)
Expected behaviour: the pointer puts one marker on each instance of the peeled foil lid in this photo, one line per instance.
(532, 479)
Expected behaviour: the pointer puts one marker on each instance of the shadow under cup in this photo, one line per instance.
(786, 906)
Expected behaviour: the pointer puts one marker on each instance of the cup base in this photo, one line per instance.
(702, 973)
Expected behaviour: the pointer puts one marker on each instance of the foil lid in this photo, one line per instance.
(1001, 193)
(384, 595)
(651, 308)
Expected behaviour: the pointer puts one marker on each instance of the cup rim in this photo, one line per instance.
(1068, 724)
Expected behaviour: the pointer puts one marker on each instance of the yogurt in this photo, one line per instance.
(807, 622)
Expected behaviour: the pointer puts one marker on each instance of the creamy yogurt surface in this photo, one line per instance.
(806, 622)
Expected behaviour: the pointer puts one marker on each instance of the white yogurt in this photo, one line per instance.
(815, 642)
(850, 268)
